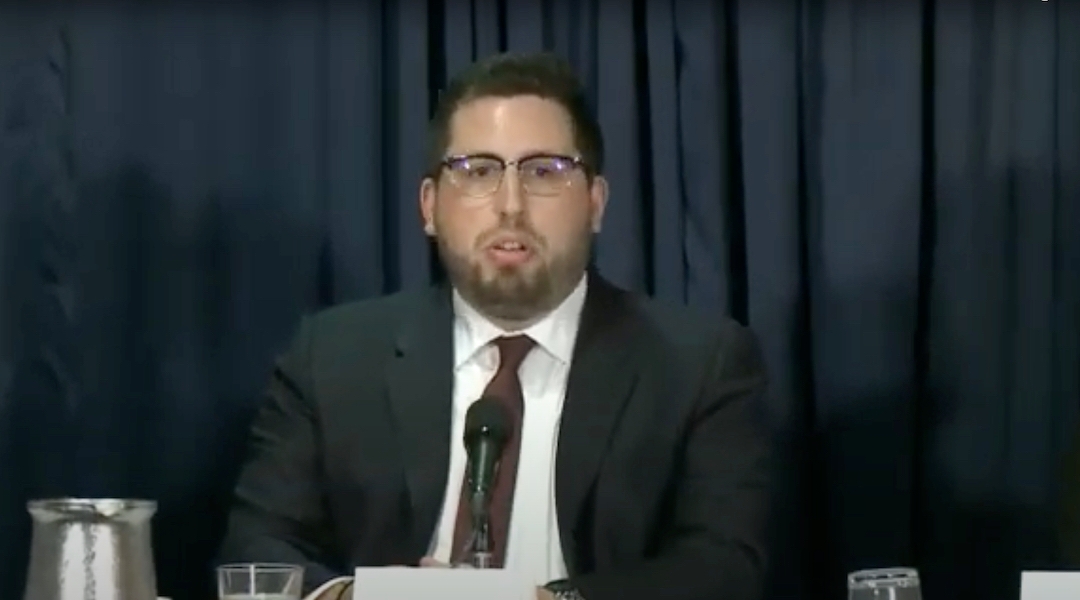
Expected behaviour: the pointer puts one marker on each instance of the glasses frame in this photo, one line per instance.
(447, 164)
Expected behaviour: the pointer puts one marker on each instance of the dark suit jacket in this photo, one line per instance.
(662, 469)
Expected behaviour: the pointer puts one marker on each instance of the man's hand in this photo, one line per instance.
(542, 594)
(341, 590)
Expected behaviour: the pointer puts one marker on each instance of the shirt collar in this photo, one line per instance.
(555, 333)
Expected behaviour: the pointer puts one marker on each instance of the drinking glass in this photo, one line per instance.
(895, 583)
(259, 581)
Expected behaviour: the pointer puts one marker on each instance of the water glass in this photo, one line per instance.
(260, 581)
(895, 583)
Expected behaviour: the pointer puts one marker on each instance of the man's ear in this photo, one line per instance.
(598, 197)
(428, 194)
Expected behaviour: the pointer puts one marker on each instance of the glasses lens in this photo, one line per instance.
(475, 176)
(546, 175)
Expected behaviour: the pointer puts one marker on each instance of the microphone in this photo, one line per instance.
(487, 429)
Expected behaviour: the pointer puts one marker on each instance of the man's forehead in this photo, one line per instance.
(510, 125)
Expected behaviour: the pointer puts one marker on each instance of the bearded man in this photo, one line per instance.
(635, 463)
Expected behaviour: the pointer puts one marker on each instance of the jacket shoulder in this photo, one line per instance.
(371, 321)
(691, 326)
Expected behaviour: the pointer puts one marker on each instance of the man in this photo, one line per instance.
(638, 470)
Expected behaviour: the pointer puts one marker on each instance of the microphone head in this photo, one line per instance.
(487, 418)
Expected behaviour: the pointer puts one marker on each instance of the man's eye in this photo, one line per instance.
(481, 171)
(546, 170)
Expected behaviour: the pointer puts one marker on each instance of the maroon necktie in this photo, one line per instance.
(505, 386)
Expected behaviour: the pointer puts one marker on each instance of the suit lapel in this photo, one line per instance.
(602, 377)
(420, 386)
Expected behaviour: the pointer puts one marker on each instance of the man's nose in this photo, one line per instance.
(510, 195)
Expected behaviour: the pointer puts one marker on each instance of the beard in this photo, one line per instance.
(522, 292)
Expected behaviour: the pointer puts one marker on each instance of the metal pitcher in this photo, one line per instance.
(91, 549)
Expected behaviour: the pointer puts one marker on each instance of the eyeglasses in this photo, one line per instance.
(480, 175)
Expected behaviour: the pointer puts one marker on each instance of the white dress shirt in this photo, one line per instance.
(533, 549)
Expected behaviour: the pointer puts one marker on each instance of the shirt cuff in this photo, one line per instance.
(322, 588)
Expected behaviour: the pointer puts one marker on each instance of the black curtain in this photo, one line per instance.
(888, 193)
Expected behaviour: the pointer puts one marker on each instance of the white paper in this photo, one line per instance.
(1050, 585)
(410, 583)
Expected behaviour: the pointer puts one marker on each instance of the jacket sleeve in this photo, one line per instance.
(278, 512)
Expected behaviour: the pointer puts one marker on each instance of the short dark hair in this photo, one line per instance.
(504, 75)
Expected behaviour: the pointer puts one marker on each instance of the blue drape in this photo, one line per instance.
(888, 193)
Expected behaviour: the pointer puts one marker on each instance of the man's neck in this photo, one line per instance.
(514, 326)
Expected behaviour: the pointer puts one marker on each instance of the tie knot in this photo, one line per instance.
(512, 350)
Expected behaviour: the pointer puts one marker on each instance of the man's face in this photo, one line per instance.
(514, 246)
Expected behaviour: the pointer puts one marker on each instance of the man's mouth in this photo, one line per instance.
(509, 252)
